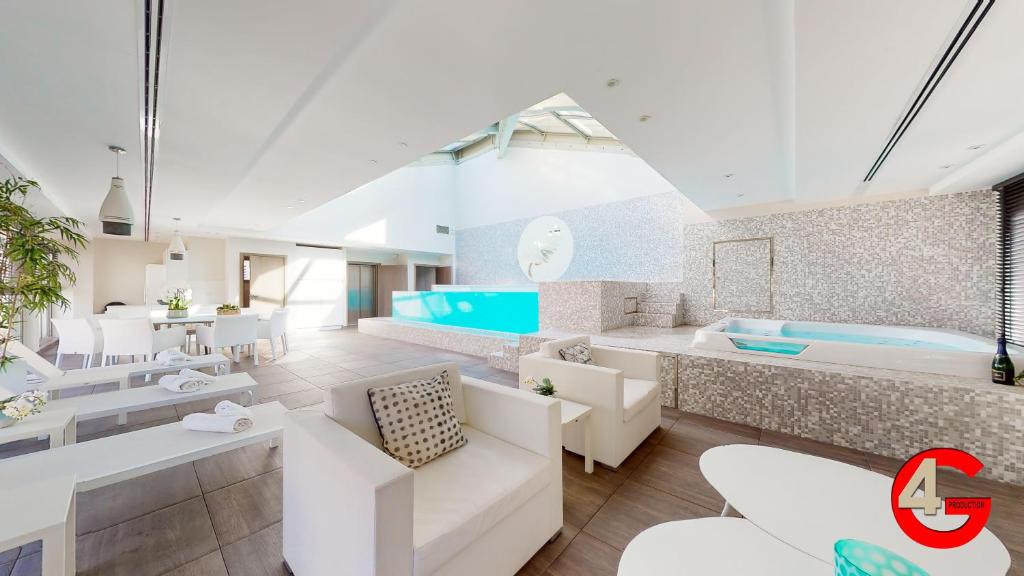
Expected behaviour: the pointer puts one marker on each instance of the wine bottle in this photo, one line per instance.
(1002, 366)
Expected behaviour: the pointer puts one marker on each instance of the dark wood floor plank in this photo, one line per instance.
(257, 555)
(633, 508)
(150, 545)
(586, 556)
(678, 474)
(110, 505)
(246, 507)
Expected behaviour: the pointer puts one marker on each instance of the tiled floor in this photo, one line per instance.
(222, 515)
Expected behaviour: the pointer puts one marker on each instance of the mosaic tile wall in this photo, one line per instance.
(927, 261)
(895, 414)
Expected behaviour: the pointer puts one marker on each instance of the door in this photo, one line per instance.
(263, 283)
(390, 278)
(362, 292)
(426, 277)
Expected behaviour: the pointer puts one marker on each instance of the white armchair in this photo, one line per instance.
(136, 337)
(621, 387)
(78, 336)
(233, 332)
(485, 508)
(274, 328)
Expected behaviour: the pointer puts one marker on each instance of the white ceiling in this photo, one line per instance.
(268, 111)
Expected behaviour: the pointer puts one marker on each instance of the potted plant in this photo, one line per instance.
(545, 388)
(178, 302)
(228, 310)
(17, 408)
(34, 268)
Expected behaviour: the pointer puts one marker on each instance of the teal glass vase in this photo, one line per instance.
(858, 558)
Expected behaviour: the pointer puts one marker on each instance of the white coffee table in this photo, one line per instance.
(811, 502)
(58, 423)
(576, 412)
(714, 547)
(42, 510)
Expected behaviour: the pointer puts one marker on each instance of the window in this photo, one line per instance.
(1011, 259)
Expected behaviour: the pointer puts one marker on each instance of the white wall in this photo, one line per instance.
(529, 182)
(118, 270)
(397, 211)
(314, 279)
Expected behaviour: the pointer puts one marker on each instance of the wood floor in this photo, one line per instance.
(222, 515)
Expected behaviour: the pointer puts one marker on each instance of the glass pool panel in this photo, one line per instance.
(514, 312)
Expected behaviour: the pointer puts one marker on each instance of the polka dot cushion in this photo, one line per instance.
(578, 353)
(857, 558)
(416, 420)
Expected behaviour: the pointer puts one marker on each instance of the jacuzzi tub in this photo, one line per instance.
(894, 347)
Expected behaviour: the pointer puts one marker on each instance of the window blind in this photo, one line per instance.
(1011, 259)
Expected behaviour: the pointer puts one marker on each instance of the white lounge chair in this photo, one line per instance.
(621, 386)
(484, 508)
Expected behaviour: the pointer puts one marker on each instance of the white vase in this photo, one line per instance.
(13, 379)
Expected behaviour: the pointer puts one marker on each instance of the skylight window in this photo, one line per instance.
(558, 117)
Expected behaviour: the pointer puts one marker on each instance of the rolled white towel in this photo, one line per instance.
(229, 408)
(216, 422)
(172, 357)
(197, 375)
(178, 383)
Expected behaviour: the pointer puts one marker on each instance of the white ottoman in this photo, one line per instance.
(712, 547)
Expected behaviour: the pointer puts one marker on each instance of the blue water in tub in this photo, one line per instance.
(839, 336)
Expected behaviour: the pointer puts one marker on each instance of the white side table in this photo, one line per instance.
(713, 547)
(59, 424)
(576, 412)
(42, 510)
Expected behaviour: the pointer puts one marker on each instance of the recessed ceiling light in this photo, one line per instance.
(945, 166)
(403, 144)
(373, 161)
(612, 82)
(729, 175)
(976, 147)
(739, 194)
(645, 117)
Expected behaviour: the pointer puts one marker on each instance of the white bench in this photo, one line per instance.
(44, 511)
(109, 460)
(93, 406)
(58, 423)
(123, 373)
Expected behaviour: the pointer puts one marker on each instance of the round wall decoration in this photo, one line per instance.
(545, 249)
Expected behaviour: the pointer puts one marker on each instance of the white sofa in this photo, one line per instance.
(483, 509)
(621, 386)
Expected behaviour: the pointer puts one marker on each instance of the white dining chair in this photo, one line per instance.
(232, 332)
(274, 328)
(136, 337)
(77, 336)
(127, 312)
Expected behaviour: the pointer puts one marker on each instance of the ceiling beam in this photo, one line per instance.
(505, 129)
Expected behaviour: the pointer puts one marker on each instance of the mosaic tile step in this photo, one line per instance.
(646, 307)
(504, 361)
(658, 320)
